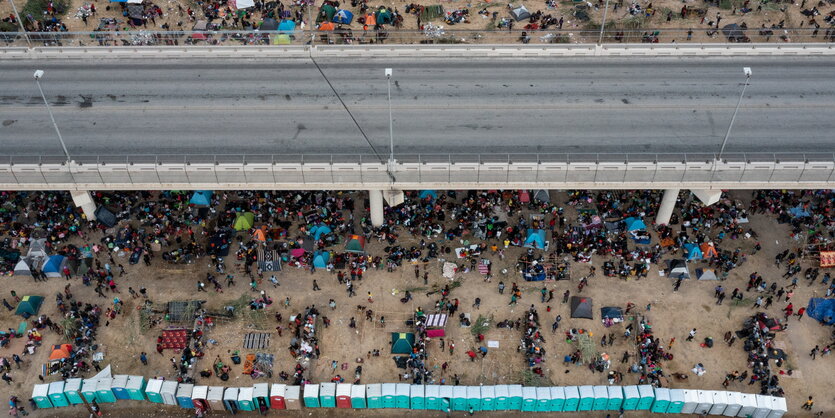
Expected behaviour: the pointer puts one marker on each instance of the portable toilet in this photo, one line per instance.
(720, 402)
(40, 393)
(402, 393)
(431, 397)
(514, 397)
(103, 392)
(136, 388)
(118, 387)
(557, 398)
(311, 395)
(292, 396)
(245, 399)
(153, 390)
(230, 400)
(184, 392)
(169, 392)
(215, 398)
(764, 405)
(631, 397)
(277, 396)
(261, 396)
(543, 399)
(778, 407)
(661, 402)
(198, 398)
(88, 389)
(445, 398)
(72, 390)
(417, 397)
(749, 404)
(459, 398)
(691, 401)
(529, 399)
(474, 398)
(705, 401)
(374, 395)
(647, 396)
(327, 395)
(501, 398)
(389, 395)
(615, 398)
(488, 398)
(343, 395)
(734, 404)
(56, 394)
(601, 398)
(572, 398)
(676, 401)
(358, 396)
(586, 398)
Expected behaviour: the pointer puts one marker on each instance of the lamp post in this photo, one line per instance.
(391, 125)
(20, 23)
(747, 72)
(603, 24)
(38, 74)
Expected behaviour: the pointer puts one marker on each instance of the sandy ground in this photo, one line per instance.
(673, 314)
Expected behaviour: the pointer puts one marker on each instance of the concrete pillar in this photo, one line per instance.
(394, 197)
(375, 198)
(708, 197)
(84, 200)
(668, 203)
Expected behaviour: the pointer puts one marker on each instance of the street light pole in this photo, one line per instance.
(20, 23)
(747, 72)
(38, 75)
(603, 24)
(391, 124)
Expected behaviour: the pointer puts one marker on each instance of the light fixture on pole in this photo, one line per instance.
(38, 75)
(603, 23)
(747, 72)
(391, 125)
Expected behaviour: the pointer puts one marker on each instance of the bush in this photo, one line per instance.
(8, 27)
(36, 8)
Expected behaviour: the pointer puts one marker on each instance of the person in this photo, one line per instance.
(800, 312)
(316, 286)
(565, 296)
(501, 289)
(477, 303)
(691, 335)
(814, 352)
(143, 357)
(808, 404)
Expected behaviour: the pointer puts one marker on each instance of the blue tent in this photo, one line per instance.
(319, 230)
(692, 251)
(798, 212)
(634, 224)
(343, 16)
(428, 194)
(822, 309)
(535, 239)
(54, 265)
(201, 198)
(320, 259)
(287, 26)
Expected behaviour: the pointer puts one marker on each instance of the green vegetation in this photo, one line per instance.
(36, 8)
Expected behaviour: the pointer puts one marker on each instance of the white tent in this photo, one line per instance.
(22, 269)
(706, 274)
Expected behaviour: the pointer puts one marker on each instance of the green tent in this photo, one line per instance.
(29, 305)
(402, 342)
(326, 13)
(355, 244)
(244, 221)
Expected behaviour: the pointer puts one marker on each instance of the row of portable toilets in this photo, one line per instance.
(406, 396)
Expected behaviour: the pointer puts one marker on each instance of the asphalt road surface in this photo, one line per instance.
(563, 105)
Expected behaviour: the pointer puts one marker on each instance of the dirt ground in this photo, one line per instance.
(672, 314)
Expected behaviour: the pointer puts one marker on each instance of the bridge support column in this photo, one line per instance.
(668, 203)
(84, 200)
(708, 197)
(375, 198)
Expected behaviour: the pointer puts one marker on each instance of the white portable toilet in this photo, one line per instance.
(215, 397)
(720, 402)
(705, 402)
(734, 404)
(778, 407)
(764, 405)
(691, 401)
(169, 392)
(749, 404)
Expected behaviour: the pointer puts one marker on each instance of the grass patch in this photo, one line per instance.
(529, 378)
(36, 8)
(481, 325)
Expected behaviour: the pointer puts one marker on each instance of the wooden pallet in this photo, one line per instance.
(256, 340)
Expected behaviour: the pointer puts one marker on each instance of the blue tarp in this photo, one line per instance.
(535, 239)
(201, 198)
(53, 265)
(319, 230)
(634, 224)
(692, 251)
(798, 212)
(287, 26)
(428, 193)
(343, 16)
(534, 273)
(822, 309)
(320, 259)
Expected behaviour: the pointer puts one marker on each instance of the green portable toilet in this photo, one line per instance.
(647, 396)
(401, 397)
(103, 392)
(676, 401)
(474, 398)
(56, 394)
(615, 398)
(488, 398)
(40, 393)
(445, 398)
(557, 398)
(374, 395)
(169, 392)
(459, 398)
(327, 395)
(230, 400)
(631, 397)
(72, 390)
(389, 392)
(311, 395)
(529, 399)
(586, 398)
(601, 398)
(572, 399)
(543, 399)
(431, 397)
(261, 396)
(514, 397)
(358, 397)
(661, 402)
(118, 387)
(136, 387)
(183, 395)
(417, 397)
(502, 398)
(152, 390)
(245, 399)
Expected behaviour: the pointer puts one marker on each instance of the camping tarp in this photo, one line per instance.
(105, 216)
(28, 306)
(535, 239)
(822, 309)
(542, 195)
(520, 13)
(60, 352)
(22, 269)
(634, 224)
(706, 274)
(268, 260)
(355, 244)
(734, 32)
(343, 16)
(320, 259)
(431, 194)
(402, 342)
(611, 312)
(692, 252)
(54, 265)
(799, 212)
(201, 197)
(677, 269)
(244, 221)
(581, 307)
(827, 259)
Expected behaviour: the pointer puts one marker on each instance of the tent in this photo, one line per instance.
(581, 307)
(28, 306)
(402, 342)
(326, 13)
(37, 249)
(692, 252)
(612, 312)
(677, 269)
(706, 274)
(320, 259)
(201, 198)
(244, 221)
(326, 26)
(287, 26)
(708, 250)
(634, 224)
(269, 24)
(520, 13)
(317, 231)
(542, 195)
(343, 16)
(383, 16)
(734, 33)
(22, 269)
(54, 265)
(60, 352)
(355, 244)
(430, 194)
(822, 309)
(84, 266)
(535, 239)
(259, 235)
(281, 39)
(106, 217)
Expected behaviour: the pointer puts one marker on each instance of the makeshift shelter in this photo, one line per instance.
(203, 197)
(343, 17)
(428, 194)
(106, 217)
(317, 231)
(383, 16)
(402, 342)
(54, 265)
(269, 24)
(708, 250)
(355, 244)
(612, 312)
(542, 195)
(320, 259)
(244, 221)
(22, 269)
(799, 212)
(706, 274)
(827, 259)
(692, 252)
(29, 306)
(37, 249)
(287, 26)
(677, 269)
(60, 352)
(534, 272)
(734, 33)
(535, 239)
(520, 13)
(581, 307)
(259, 235)
(243, 4)
(326, 13)
(822, 309)
(634, 224)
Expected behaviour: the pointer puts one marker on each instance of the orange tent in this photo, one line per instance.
(370, 20)
(327, 26)
(60, 352)
(259, 235)
(708, 251)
